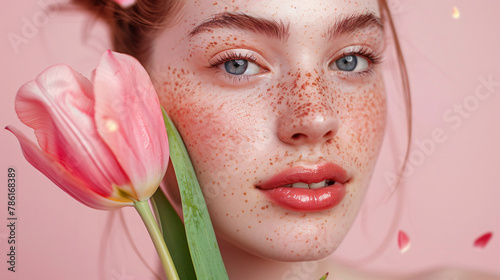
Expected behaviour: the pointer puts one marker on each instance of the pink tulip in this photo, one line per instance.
(103, 142)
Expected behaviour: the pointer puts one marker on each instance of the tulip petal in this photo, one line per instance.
(403, 242)
(59, 106)
(483, 240)
(129, 119)
(75, 187)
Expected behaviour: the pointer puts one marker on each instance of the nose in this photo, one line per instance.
(309, 124)
(307, 115)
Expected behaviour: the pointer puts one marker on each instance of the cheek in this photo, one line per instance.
(213, 126)
(192, 109)
(220, 132)
(362, 117)
(362, 113)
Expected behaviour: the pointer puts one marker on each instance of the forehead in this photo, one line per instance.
(298, 13)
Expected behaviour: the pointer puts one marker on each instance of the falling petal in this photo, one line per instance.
(455, 13)
(403, 241)
(483, 240)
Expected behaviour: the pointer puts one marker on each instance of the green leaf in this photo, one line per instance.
(174, 234)
(200, 234)
(324, 276)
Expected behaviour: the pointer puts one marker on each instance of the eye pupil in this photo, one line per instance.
(347, 63)
(236, 66)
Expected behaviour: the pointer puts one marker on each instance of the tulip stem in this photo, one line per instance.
(154, 231)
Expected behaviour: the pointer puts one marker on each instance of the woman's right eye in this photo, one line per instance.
(238, 63)
(240, 67)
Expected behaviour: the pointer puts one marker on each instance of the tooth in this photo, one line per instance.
(300, 185)
(287, 186)
(317, 185)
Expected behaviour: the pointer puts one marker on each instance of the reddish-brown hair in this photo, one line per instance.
(405, 83)
(133, 29)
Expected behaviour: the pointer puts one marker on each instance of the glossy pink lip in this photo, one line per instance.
(307, 200)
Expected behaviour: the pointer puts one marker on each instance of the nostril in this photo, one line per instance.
(314, 129)
(328, 134)
(296, 136)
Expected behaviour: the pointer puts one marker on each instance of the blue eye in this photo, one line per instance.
(347, 63)
(236, 67)
(241, 67)
(350, 63)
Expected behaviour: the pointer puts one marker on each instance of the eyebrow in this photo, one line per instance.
(243, 21)
(342, 26)
(350, 23)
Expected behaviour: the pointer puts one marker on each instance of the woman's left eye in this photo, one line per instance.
(350, 63)
(240, 67)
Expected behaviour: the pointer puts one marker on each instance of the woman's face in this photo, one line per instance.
(281, 106)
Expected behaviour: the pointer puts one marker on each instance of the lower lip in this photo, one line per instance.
(307, 200)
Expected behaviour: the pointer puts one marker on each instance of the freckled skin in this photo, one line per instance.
(240, 131)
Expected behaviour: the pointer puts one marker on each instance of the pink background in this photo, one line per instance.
(449, 198)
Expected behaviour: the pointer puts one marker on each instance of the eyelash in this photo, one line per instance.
(233, 55)
(228, 56)
(373, 58)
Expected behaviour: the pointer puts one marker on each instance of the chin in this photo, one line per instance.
(305, 242)
(297, 252)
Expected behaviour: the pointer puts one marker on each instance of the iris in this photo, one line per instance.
(347, 63)
(236, 67)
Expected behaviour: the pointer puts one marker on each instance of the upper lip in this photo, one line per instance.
(306, 174)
